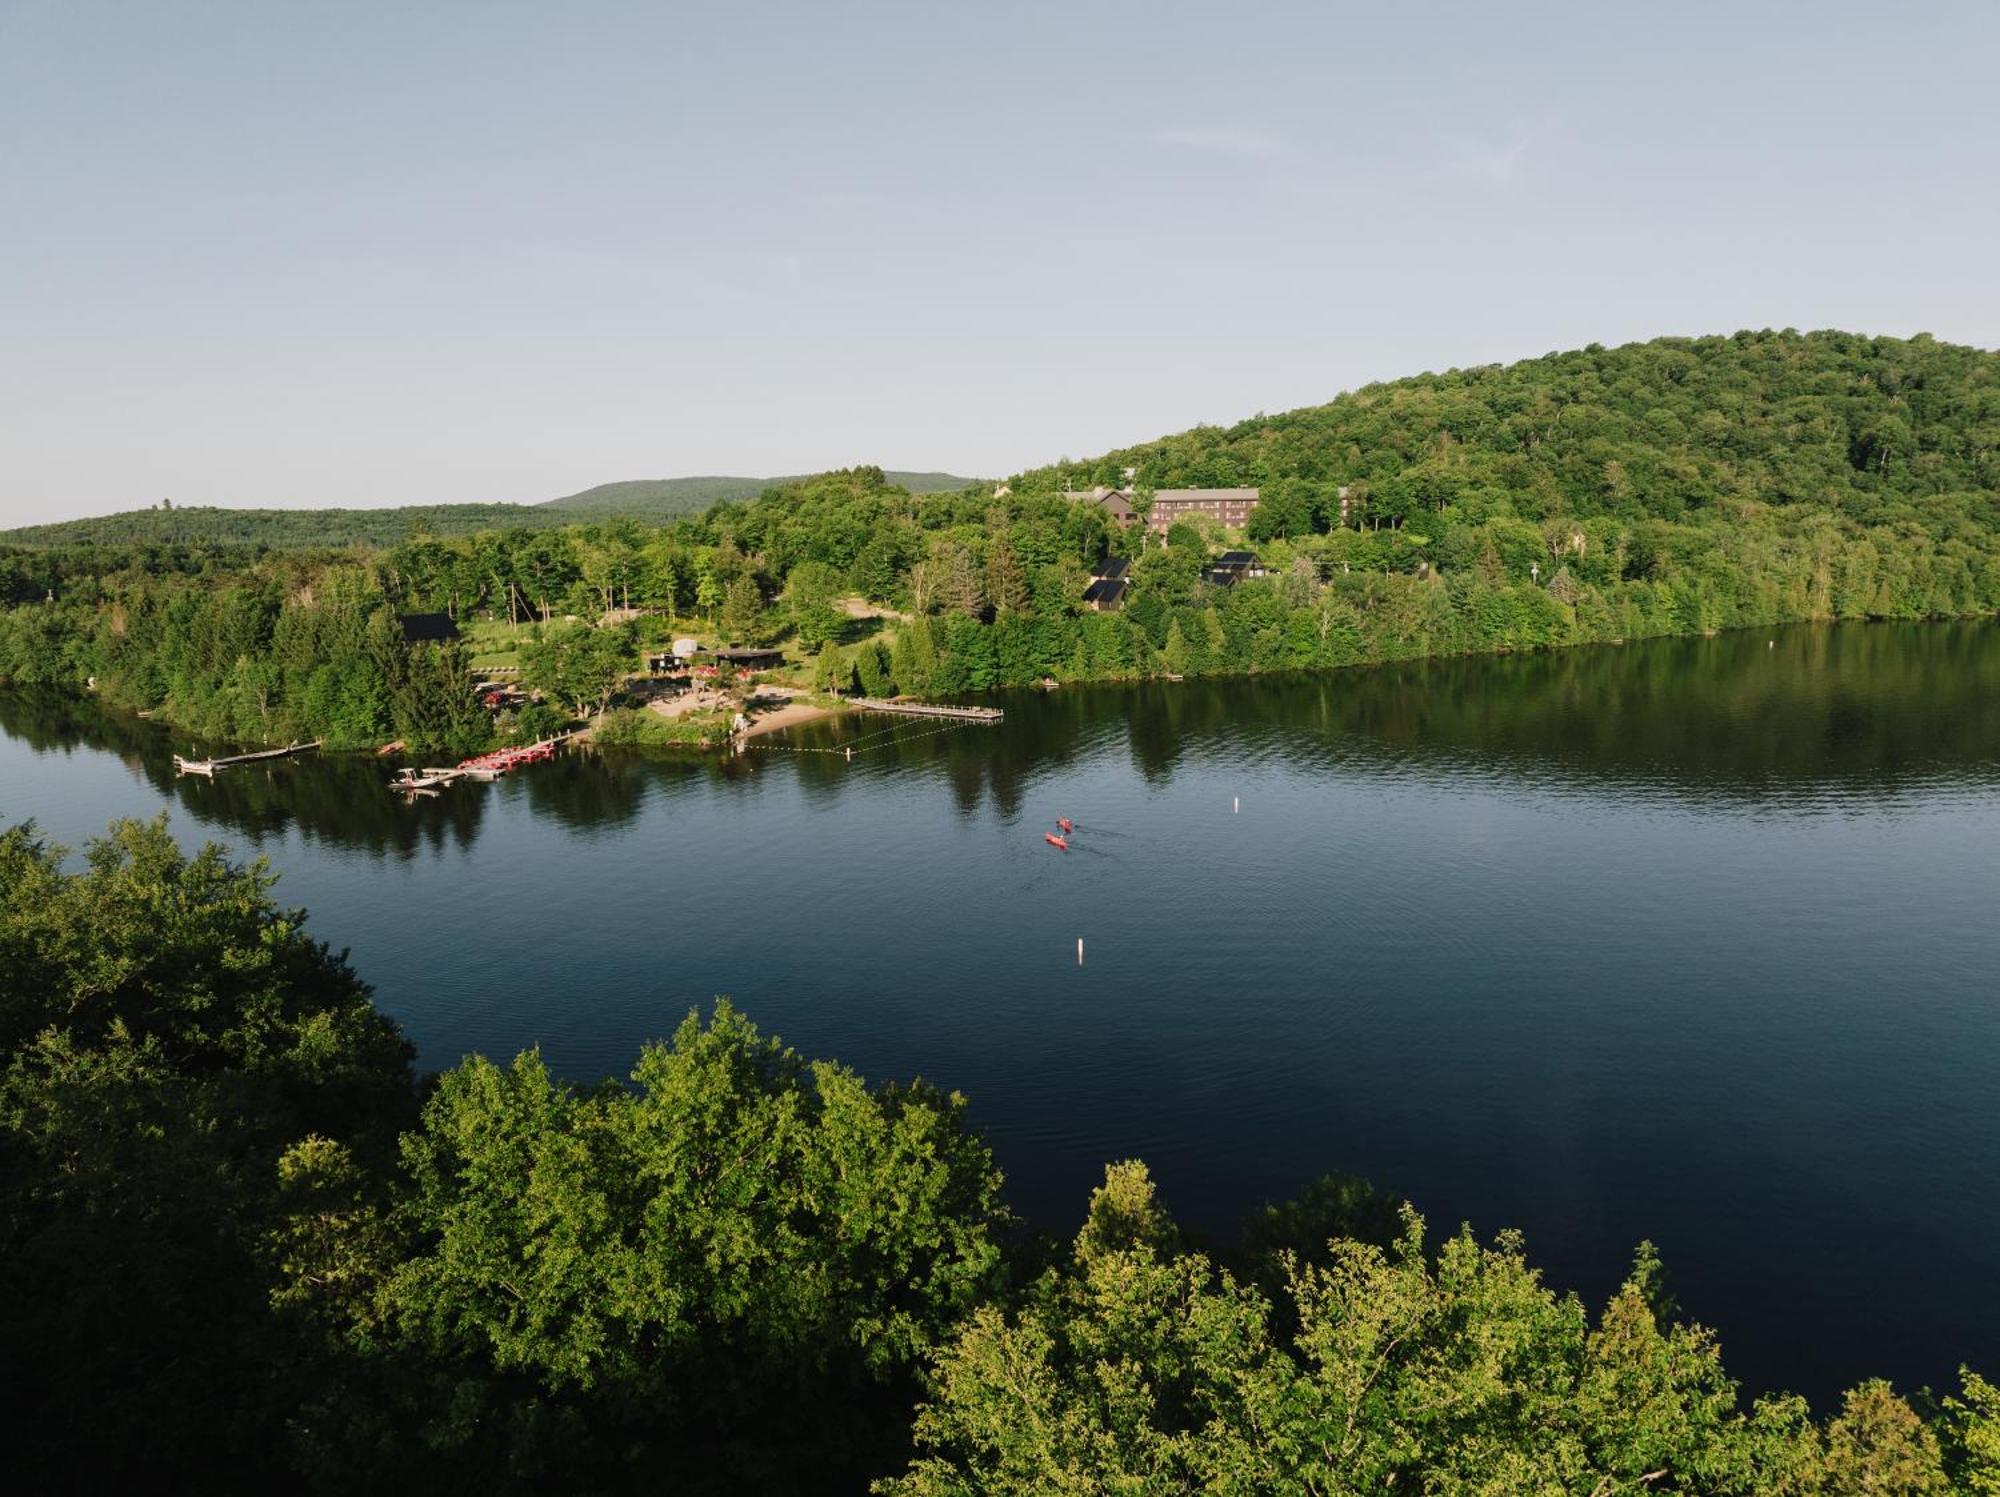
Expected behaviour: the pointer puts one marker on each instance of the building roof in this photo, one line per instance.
(1115, 566)
(1118, 501)
(1237, 559)
(420, 628)
(747, 652)
(1205, 495)
(1220, 576)
(1106, 590)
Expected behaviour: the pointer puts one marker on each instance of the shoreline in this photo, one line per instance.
(794, 714)
(789, 716)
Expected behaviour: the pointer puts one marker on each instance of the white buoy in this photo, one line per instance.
(1235, 804)
(1079, 951)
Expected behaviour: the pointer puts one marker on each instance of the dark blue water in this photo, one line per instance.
(1689, 940)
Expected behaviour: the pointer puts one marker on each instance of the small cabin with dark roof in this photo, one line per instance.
(748, 658)
(427, 628)
(1105, 594)
(1232, 567)
(1108, 584)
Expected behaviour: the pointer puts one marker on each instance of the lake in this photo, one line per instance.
(1691, 940)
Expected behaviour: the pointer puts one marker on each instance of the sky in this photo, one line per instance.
(300, 253)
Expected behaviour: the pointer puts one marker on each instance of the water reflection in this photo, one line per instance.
(337, 799)
(1782, 714)
(1780, 717)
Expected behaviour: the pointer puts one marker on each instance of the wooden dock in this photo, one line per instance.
(210, 766)
(930, 709)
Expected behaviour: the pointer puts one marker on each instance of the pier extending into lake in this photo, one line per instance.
(930, 709)
(210, 766)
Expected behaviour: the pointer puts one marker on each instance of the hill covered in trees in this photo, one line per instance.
(1674, 487)
(1873, 428)
(243, 1247)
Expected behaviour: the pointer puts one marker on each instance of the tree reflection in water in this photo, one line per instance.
(1764, 715)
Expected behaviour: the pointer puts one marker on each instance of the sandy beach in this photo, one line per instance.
(789, 716)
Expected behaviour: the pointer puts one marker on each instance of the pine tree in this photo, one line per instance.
(743, 611)
(913, 661)
(1006, 582)
(961, 591)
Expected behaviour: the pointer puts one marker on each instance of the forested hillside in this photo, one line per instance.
(1674, 487)
(1877, 429)
(244, 1248)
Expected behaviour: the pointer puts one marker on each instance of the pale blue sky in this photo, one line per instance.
(358, 253)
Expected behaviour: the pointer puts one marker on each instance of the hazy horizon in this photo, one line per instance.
(376, 255)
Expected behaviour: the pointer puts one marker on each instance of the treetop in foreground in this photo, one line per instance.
(242, 1247)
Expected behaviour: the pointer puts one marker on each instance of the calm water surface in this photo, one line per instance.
(1689, 940)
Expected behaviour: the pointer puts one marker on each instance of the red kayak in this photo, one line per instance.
(1054, 841)
(1066, 824)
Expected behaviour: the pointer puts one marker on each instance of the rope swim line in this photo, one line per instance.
(848, 750)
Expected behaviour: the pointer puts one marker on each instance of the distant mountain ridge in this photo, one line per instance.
(679, 496)
(280, 529)
(633, 499)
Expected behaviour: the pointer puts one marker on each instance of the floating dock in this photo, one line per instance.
(423, 779)
(492, 766)
(210, 766)
(928, 709)
(481, 767)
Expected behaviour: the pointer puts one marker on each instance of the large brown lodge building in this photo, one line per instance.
(1230, 506)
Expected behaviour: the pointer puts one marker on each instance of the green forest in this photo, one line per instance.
(244, 1246)
(1676, 487)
